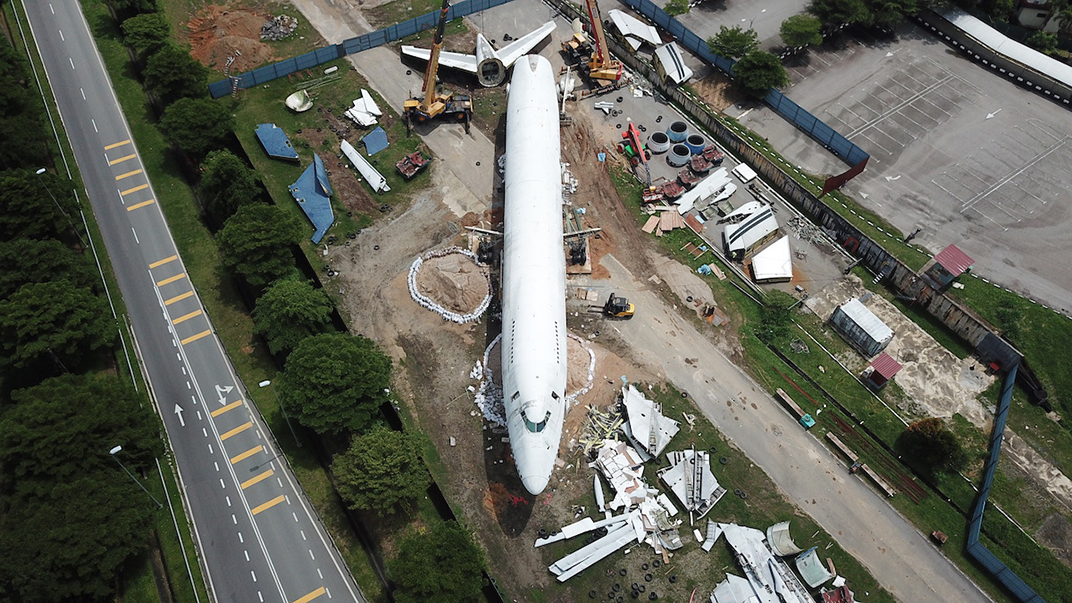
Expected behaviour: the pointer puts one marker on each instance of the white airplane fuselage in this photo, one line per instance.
(533, 274)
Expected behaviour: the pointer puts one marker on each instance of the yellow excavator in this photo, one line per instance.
(438, 103)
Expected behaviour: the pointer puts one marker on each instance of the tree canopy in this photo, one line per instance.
(197, 125)
(441, 565)
(256, 243)
(172, 73)
(776, 319)
(760, 71)
(21, 111)
(289, 311)
(146, 33)
(932, 446)
(801, 30)
(884, 14)
(676, 7)
(336, 382)
(33, 261)
(56, 321)
(35, 206)
(733, 42)
(381, 470)
(227, 183)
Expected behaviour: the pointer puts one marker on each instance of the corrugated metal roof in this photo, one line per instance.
(866, 320)
(885, 365)
(954, 260)
(1010, 48)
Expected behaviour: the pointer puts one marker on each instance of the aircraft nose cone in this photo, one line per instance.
(535, 483)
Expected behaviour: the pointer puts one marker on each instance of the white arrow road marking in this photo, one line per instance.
(222, 392)
(991, 115)
(178, 412)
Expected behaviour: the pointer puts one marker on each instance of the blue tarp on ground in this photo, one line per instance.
(375, 141)
(275, 142)
(312, 191)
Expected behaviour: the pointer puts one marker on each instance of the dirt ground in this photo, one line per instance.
(216, 32)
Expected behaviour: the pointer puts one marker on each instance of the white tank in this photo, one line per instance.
(534, 274)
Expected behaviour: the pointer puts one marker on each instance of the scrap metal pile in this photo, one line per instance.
(278, 27)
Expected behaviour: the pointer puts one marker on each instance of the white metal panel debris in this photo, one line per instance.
(772, 581)
(365, 111)
(780, 541)
(703, 189)
(689, 477)
(579, 560)
(673, 63)
(811, 568)
(774, 262)
(367, 171)
(634, 30)
(647, 428)
(714, 530)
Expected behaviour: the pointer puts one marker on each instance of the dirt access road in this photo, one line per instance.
(435, 358)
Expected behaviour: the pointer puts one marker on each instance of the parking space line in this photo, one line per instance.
(193, 338)
(257, 479)
(160, 263)
(178, 298)
(128, 174)
(140, 205)
(170, 279)
(140, 187)
(309, 597)
(219, 411)
(245, 455)
(237, 430)
(896, 108)
(186, 317)
(121, 159)
(268, 505)
(117, 144)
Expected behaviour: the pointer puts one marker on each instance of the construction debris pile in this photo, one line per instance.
(805, 230)
(278, 27)
(689, 477)
(456, 287)
(647, 428)
(768, 579)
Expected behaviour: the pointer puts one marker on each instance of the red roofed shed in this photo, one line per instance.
(954, 260)
(881, 370)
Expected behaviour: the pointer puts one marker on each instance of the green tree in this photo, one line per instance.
(381, 470)
(172, 73)
(1001, 10)
(733, 42)
(1044, 42)
(227, 183)
(21, 113)
(130, 7)
(676, 7)
(887, 14)
(289, 311)
(54, 322)
(72, 542)
(64, 427)
(146, 33)
(32, 261)
(932, 446)
(801, 30)
(197, 125)
(760, 71)
(776, 321)
(442, 565)
(840, 11)
(336, 382)
(256, 243)
(35, 206)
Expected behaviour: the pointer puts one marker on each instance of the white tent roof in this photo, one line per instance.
(866, 320)
(774, 262)
(630, 26)
(673, 63)
(1010, 48)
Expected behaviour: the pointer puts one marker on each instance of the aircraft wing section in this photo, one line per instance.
(454, 60)
(518, 48)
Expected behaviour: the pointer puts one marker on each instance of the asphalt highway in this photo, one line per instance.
(258, 537)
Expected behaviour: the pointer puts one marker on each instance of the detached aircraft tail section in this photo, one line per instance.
(488, 65)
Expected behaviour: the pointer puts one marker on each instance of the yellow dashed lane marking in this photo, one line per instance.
(195, 337)
(160, 263)
(233, 405)
(186, 317)
(309, 597)
(121, 159)
(140, 205)
(236, 430)
(128, 174)
(268, 505)
(118, 144)
(253, 480)
(170, 279)
(245, 455)
(178, 298)
(140, 187)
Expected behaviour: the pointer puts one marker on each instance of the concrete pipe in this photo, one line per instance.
(678, 131)
(658, 142)
(696, 143)
(679, 155)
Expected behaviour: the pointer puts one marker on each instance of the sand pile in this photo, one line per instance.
(454, 282)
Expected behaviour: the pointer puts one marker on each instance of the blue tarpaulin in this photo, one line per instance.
(375, 141)
(275, 142)
(312, 191)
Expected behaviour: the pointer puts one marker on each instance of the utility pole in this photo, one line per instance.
(113, 452)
